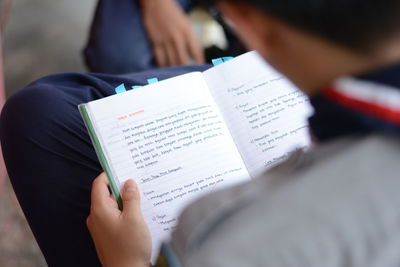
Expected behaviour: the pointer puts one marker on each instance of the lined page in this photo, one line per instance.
(266, 114)
(170, 138)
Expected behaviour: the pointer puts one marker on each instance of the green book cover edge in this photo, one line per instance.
(100, 153)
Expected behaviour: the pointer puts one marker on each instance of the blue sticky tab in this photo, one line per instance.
(225, 59)
(217, 61)
(152, 80)
(136, 86)
(120, 89)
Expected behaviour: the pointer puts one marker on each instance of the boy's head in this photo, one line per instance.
(315, 41)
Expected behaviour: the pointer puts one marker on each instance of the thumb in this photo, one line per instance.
(130, 198)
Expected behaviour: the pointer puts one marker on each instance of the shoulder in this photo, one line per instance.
(336, 202)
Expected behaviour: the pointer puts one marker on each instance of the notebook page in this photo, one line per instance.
(266, 114)
(170, 138)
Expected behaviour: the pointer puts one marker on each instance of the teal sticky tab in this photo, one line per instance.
(152, 80)
(168, 257)
(120, 89)
(217, 61)
(225, 59)
(136, 86)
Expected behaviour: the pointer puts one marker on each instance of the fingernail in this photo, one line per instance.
(130, 187)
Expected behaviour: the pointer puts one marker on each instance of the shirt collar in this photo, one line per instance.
(359, 104)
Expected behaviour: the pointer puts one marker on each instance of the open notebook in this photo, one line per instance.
(196, 133)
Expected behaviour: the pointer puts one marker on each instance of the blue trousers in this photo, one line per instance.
(118, 42)
(51, 161)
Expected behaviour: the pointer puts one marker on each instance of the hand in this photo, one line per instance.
(121, 238)
(170, 33)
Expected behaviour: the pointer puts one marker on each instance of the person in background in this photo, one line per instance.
(334, 205)
(137, 35)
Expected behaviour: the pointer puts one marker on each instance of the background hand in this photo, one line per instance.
(121, 238)
(170, 33)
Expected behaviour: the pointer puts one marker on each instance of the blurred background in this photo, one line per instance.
(40, 37)
(43, 37)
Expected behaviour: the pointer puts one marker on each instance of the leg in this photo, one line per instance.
(118, 42)
(51, 161)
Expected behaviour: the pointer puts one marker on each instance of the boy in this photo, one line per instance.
(336, 205)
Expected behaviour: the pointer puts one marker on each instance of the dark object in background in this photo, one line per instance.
(235, 46)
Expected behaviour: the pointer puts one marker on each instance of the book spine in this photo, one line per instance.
(100, 153)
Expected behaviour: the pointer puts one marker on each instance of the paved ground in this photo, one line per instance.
(42, 37)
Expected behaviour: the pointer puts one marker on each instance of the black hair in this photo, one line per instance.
(356, 24)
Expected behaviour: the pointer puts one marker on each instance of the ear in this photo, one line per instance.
(258, 30)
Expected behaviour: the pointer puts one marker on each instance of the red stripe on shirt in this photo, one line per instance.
(372, 109)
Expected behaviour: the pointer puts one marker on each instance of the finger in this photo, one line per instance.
(100, 190)
(180, 51)
(161, 57)
(172, 59)
(130, 198)
(195, 50)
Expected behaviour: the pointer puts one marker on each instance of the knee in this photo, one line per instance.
(25, 102)
(30, 111)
